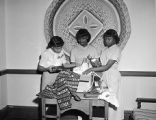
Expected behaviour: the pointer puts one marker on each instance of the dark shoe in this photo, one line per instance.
(76, 97)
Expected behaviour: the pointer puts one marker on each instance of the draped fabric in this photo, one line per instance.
(66, 82)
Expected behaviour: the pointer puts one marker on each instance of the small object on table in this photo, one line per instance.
(95, 62)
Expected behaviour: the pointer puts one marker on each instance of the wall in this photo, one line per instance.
(3, 91)
(139, 54)
(25, 41)
(2, 36)
(24, 32)
(134, 87)
(3, 80)
(22, 89)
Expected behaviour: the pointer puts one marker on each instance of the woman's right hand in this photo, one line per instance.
(89, 57)
(85, 60)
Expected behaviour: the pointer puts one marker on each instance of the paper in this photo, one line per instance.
(84, 83)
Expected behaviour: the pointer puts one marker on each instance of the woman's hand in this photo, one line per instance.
(88, 71)
(51, 69)
(86, 60)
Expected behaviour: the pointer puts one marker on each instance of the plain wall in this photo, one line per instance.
(24, 37)
(24, 32)
(139, 54)
(3, 91)
(3, 79)
(2, 36)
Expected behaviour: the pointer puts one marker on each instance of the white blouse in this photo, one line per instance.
(50, 58)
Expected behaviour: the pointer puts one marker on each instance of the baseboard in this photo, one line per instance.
(4, 112)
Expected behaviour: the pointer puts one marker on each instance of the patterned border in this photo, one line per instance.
(118, 4)
(124, 20)
(49, 16)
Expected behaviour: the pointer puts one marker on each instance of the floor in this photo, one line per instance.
(20, 113)
(32, 113)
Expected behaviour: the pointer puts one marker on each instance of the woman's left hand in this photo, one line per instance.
(87, 71)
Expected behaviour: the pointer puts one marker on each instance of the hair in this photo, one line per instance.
(82, 33)
(112, 33)
(55, 41)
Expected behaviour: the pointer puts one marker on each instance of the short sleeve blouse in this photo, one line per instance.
(50, 58)
(113, 53)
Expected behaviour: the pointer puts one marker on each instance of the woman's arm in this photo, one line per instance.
(101, 68)
(69, 65)
(43, 69)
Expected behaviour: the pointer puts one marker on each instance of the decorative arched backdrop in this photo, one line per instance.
(65, 17)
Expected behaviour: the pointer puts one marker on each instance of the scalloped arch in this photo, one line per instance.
(118, 6)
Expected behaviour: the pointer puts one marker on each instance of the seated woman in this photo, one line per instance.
(53, 57)
(53, 60)
(66, 82)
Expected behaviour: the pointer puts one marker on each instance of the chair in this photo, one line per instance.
(85, 105)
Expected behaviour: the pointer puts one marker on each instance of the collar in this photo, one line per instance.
(81, 47)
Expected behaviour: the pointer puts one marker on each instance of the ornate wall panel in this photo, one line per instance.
(65, 17)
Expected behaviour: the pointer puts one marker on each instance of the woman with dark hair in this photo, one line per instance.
(83, 33)
(53, 60)
(110, 80)
(83, 49)
(55, 41)
(53, 56)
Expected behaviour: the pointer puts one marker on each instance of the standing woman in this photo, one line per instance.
(83, 49)
(110, 81)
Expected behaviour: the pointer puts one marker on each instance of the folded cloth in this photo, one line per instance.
(80, 69)
(144, 114)
(95, 62)
(107, 96)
